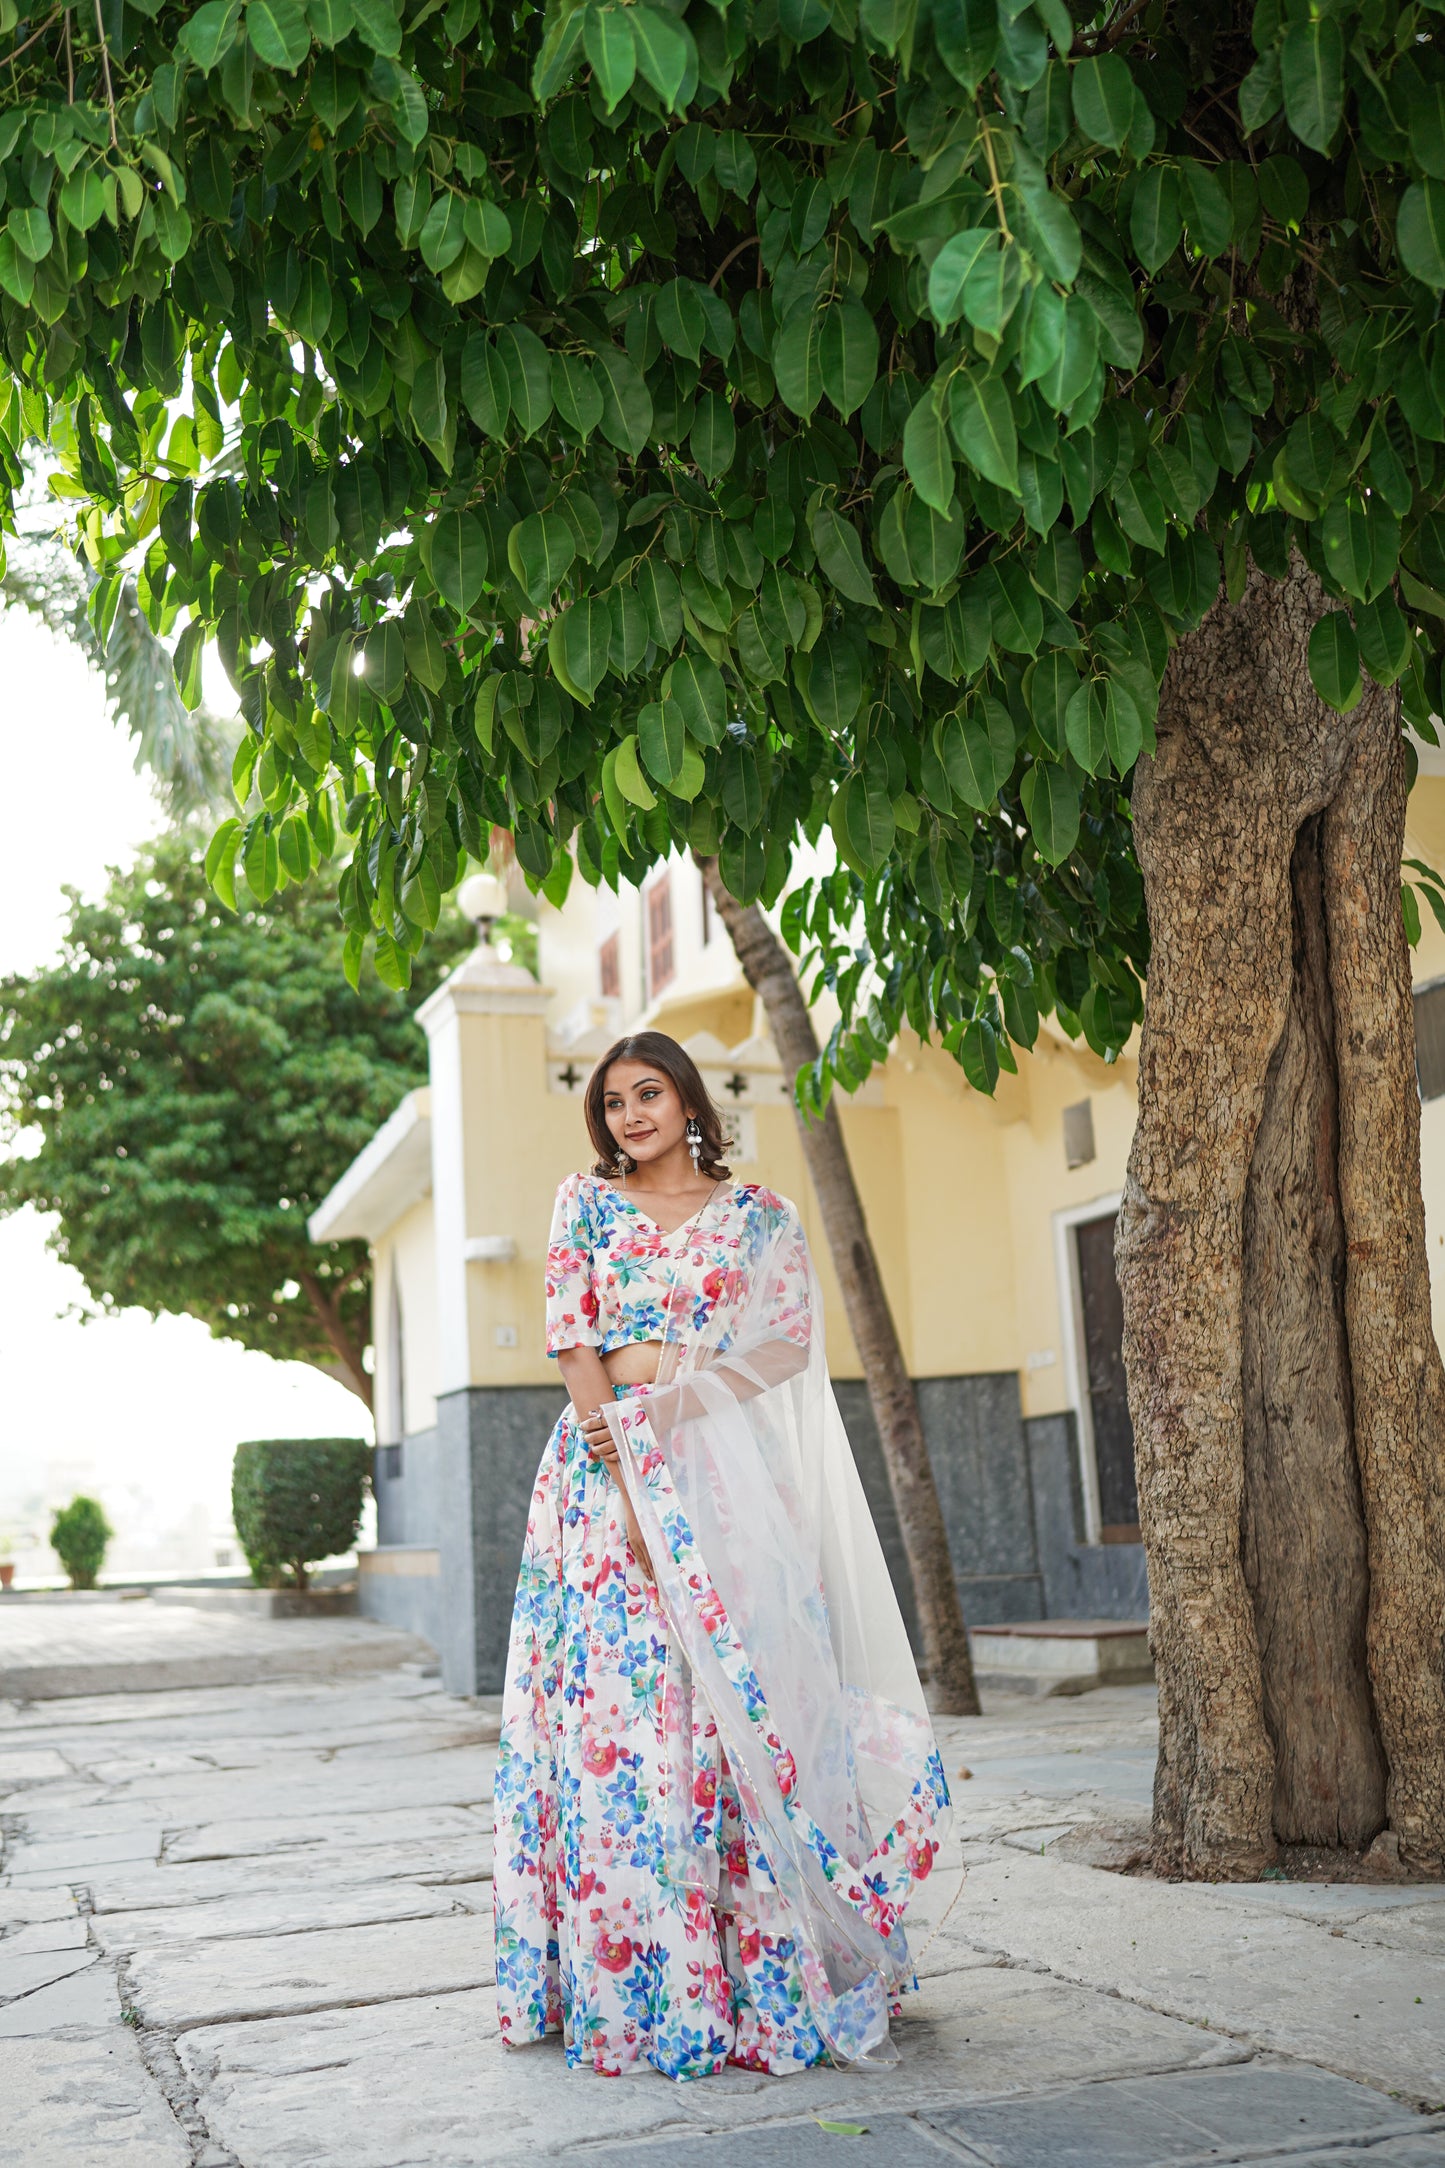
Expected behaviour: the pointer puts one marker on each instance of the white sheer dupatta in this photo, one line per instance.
(775, 1588)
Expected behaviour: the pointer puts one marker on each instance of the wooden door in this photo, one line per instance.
(1104, 1366)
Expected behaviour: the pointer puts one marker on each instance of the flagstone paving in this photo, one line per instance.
(246, 1924)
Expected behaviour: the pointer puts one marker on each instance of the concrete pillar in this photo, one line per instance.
(487, 1033)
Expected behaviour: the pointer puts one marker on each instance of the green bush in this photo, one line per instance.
(297, 1500)
(79, 1534)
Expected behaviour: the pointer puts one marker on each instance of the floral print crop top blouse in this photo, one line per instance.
(614, 1276)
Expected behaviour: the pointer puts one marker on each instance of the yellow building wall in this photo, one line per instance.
(962, 1194)
(407, 1260)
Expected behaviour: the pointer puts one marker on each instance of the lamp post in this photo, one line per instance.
(483, 899)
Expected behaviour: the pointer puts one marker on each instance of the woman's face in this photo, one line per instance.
(644, 1111)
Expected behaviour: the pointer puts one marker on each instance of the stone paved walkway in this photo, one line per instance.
(248, 1926)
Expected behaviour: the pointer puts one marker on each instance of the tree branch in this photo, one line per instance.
(351, 1369)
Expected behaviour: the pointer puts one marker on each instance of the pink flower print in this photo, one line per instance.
(614, 1951)
(698, 1914)
(599, 1757)
(787, 1773)
(750, 1944)
(920, 1858)
(704, 1788)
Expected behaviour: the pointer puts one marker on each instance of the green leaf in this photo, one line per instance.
(575, 393)
(540, 551)
(695, 683)
(1156, 222)
(842, 2130)
(714, 435)
(221, 861)
(834, 682)
(927, 454)
(1334, 658)
(529, 376)
(1410, 913)
(1123, 726)
(210, 33)
(584, 634)
(376, 21)
(1051, 803)
(486, 385)
(978, 1055)
(662, 741)
(950, 269)
(1049, 687)
(664, 51)
(444, 233)
(1084, 726)
(612, 51)
(662, 600)
(1420, 233)
(863, 823)
(279, 33)
(1384, 638)
(626, 401)
(1312, 78)
(1259, 93)
(982, 420)
(847, 355)
(83, 197)
(1427, 128)
(991, 288)
(630, 779)
(977, 750)
(681, 317)
(966, 34)
(840, 553)
(1103, 98)
(798, 361)
(458, 558)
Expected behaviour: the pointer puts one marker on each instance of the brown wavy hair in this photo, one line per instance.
(674, 1062)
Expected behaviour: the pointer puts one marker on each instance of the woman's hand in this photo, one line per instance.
(603, 1447)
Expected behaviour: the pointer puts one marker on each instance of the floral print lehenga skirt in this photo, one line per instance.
(592, 1940)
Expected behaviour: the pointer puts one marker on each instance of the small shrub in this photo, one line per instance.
(79, 1534)
(297, 1500)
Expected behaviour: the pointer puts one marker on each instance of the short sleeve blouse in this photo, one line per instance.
(614, 1276)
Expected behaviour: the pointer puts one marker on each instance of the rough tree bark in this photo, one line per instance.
(1287, 1394)
(946, 1661)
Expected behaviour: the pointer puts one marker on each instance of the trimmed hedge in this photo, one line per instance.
(297, 1500)
(79, 1534)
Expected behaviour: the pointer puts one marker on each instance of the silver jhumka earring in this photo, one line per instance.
(623, 1165)
(694, 1142)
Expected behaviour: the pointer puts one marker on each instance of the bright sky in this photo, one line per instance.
(144, 1413)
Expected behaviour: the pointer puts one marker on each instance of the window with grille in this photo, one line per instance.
(659, 935)
(1430, 1039)
(609, 968)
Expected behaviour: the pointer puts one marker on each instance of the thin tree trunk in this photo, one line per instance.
(350, 1370)
(1287, 1396)
(769, 971)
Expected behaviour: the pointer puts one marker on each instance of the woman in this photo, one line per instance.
(717, 1782)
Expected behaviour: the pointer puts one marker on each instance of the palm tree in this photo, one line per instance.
(188, 754)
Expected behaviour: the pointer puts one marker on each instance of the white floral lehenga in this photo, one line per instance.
(713, 1796)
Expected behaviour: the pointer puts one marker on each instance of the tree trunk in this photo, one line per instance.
(1287, 1394)
(349, 1369)
(946, 1662)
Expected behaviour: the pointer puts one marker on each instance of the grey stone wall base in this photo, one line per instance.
(1009, 1488)
(489, 1445)
(410, 1602)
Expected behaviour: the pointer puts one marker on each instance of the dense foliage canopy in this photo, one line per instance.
(198, 1080)
(685, 423)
